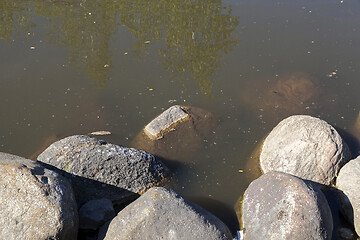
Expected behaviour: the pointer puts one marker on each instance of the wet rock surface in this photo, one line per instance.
(163, 214)
(281, 206)
(96, 167)
(306, 147)
(188, 131)
(36, 203)
(348, 182)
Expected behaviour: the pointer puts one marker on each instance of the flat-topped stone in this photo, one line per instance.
(165, 121)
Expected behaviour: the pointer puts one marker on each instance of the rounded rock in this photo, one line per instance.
(348, 182)
(36, 203)
(100, 169)
(281, 206)
(163, 214)
(306, 147)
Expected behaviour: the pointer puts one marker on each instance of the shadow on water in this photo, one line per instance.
(194, 34)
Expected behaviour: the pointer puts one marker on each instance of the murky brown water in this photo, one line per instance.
(74, 67)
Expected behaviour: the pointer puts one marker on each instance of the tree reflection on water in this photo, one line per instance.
(195, 34)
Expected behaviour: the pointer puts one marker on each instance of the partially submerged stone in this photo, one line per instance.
(281, 206)
(163, 214)
(97, 166)
(165, 122)
(306, 147)
(348, 182)
(185, 136)
(36, 203)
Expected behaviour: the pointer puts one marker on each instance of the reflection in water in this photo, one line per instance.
(13, 18)
(195, 33)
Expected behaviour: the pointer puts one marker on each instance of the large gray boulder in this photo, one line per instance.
(348, 182)
(35, 203)
(306, 147)
(177, 133)
(281, 206)
(163, 214)
(100, 169)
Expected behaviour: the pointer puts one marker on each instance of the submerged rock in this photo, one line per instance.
(177, 133)
(288, 94)
(163, 214)
(306, 147)
(96, 165)
(281, 206)
(348, 182)
(36, 203)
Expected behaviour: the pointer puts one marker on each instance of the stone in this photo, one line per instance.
(163, 214)
(348, 182)
(281, 96)
(165, 121)
(93, 214)
(35, 202)
(99, 169)
(306, 147)
(178, 133)
(281, 206)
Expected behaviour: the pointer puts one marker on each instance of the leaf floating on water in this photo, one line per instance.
(147, 42)
(101, 133)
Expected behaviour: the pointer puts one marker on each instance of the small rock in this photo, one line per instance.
(165, 121)
(281, 206)
(96, 167)
(95, 213)
(348, 182)
(36, 203)
(100, 133)
(163, 214)
(177, 133)
(306, 147)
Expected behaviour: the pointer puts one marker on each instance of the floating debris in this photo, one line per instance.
(240, 170)
(332, 74)
(32, 48)
(100, 133)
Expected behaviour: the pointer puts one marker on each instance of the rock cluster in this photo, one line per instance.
(78, 185)
(83, 185)
(301, 158)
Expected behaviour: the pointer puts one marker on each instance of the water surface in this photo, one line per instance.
(73, 67)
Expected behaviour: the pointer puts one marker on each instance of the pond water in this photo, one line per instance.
(73, 67)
